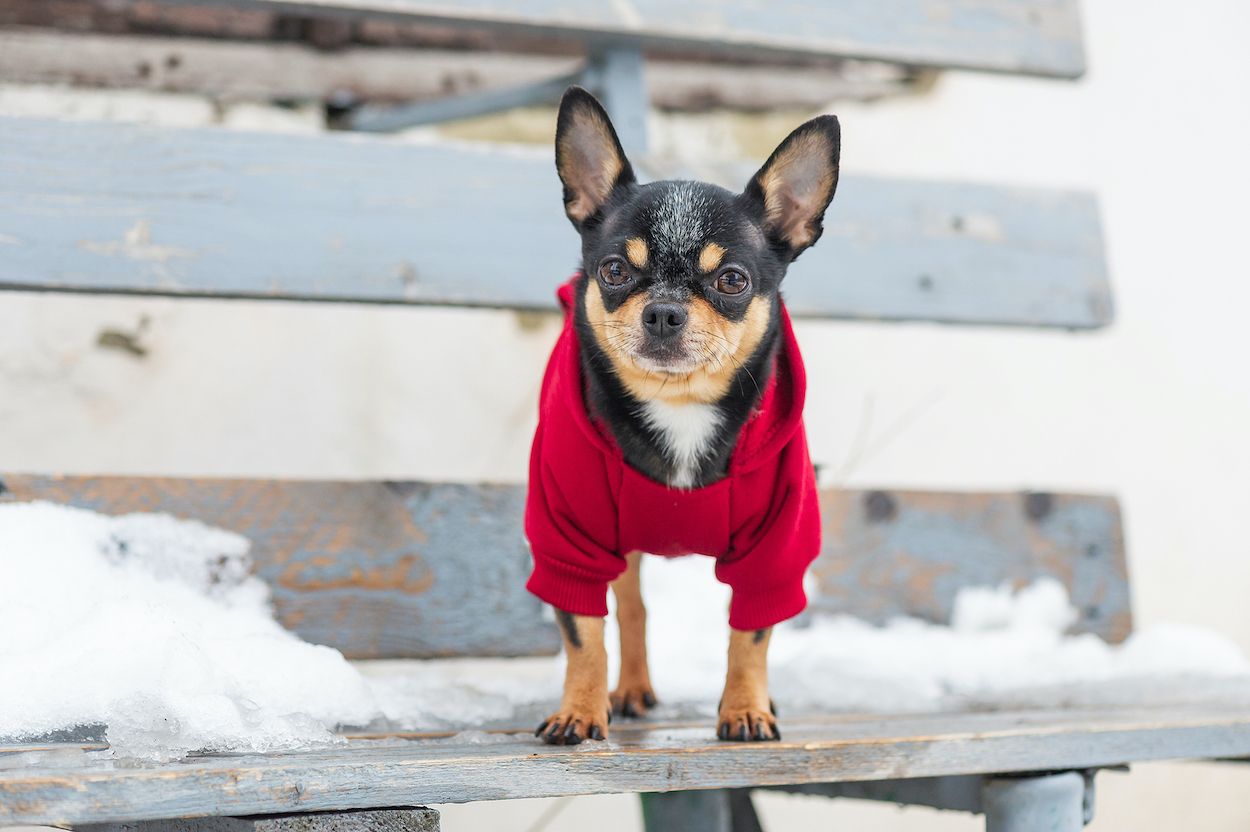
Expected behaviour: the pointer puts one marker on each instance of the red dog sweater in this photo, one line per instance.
(587, 507)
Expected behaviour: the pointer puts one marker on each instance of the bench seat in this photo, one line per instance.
(68, 784)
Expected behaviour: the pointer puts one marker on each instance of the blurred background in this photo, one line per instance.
(1153, 408)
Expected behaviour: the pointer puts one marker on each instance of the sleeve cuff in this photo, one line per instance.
(758, 609)
(579, 596)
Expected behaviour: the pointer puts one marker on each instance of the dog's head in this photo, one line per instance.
(684, 276)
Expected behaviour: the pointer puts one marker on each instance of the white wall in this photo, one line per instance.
(1155, 409)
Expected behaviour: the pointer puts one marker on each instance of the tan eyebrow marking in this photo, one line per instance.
(710, 257)
(636, 251)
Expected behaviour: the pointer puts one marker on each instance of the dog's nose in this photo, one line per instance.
(664, 320)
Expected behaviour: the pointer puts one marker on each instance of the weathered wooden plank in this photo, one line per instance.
(263, 70)
(1040, 37)
(367, 567)
(417, 819)
(128, 208)
(638, 758)
(373, 569)
(908, 553)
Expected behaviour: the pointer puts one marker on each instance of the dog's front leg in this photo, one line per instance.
(746, 712)
(584, 711)
(633, 695)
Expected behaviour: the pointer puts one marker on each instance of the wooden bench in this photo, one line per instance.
(424, 570)
(385, 569)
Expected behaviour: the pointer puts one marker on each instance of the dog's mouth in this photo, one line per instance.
(672, 366)
(678, 357)
(670, 356)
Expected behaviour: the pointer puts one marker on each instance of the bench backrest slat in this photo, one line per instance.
(909, 552)
(374, 569)
(100, 207)
(418, 570)
(1040, 37)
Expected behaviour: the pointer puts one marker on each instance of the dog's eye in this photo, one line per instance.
(613, 271)
(730, 282)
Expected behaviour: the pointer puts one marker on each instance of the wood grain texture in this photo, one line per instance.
(374, 569)
(419, 570)
(417, 819)
(100, 207)
(1039, 37)
(891, 553)
(77, 787)
(266, 71)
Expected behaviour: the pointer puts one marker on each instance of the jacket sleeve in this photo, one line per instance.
(570, 522)
(776, 536)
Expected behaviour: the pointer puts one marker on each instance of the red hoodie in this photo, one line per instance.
(587, 507)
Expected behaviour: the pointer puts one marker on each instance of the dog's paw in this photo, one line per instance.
(572, 724)
(632, 699)
(747, 724)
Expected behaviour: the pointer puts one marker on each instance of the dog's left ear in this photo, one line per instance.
(796, 185)
(589, 157)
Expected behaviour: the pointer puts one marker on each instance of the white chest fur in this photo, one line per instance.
(687, 431)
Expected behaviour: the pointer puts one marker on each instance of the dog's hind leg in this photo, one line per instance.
(584, 709)
(633, 695)
(746, 712)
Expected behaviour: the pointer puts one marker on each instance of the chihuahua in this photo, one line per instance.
(670, 418)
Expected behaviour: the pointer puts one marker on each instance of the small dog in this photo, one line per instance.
(670, 418)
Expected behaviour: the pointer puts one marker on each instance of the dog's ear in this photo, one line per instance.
(589, 157)
(795, 186)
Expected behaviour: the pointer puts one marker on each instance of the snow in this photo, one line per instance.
(153, 627)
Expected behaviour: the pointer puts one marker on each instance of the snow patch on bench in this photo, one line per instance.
(153, 627)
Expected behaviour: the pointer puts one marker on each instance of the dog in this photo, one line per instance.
(670, 418)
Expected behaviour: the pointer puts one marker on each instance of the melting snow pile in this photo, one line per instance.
(152, 627)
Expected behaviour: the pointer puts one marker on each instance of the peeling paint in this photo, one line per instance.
(136, 244)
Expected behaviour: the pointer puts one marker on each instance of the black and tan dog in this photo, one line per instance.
(671, 412)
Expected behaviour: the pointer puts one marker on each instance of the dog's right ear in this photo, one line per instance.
(589, 157)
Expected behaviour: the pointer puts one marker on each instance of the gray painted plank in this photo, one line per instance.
(363, 566)
(374, 569)
(1041, 37)
(130, 208)
(909, 552)
(80, 787)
